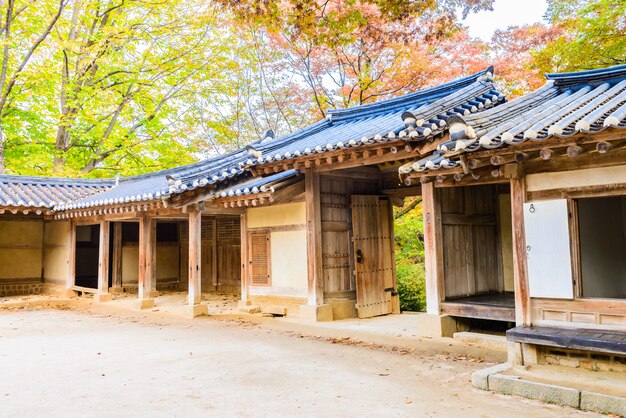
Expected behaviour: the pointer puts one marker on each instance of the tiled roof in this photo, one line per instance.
(415, 116)
(256, 185)
(46, 192)
(569, 103)
(165, 183)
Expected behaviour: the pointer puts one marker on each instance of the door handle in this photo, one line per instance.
(359, 256)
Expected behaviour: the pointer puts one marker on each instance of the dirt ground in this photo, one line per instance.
(89, 362)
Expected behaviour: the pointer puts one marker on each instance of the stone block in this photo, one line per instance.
(512, 385)
(102, 297)
(153, 294)
(480, 378)
(316, 313)
(145, 303)
(116, 290)
(343, 308)
(429, 325)
(191, 311)
(605, 404)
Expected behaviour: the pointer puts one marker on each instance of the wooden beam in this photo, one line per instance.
(545, 154)
(103, 258)
(116, 281)
(520, 270)
(147, 258)
(433, 249)
(194, 294)
(314, 238)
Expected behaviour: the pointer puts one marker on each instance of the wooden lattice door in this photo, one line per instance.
(373, 255)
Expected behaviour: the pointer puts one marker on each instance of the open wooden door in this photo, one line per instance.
(373, 255)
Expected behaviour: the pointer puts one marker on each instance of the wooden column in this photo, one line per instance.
(147, 258)
(395, 300)
(520, 272)
(116, 274)
(314, 238)
(214, 277)
(71, 257)
(103, 258)
(244, 258)
(195, 254)
(433, 249)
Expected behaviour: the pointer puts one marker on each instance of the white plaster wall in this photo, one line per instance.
(21, 255)
(288, 249)
(576, 178)
(278, 215)
(56, 236)
(166, 263)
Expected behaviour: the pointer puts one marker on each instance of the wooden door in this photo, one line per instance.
(373, 255)
(228, 251)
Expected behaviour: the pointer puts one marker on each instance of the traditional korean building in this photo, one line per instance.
(525, 220)
(299, 225)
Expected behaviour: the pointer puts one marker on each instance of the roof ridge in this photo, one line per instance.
(365, 109)
(47, 179)
(587, 76)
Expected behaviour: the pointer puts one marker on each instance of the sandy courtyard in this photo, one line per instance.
(88, 364)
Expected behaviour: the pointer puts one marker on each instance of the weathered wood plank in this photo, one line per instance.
(314, 238)
(433, 249)
(520, 270)
(103, 258)
(147, 257)
(116, 280)
(194, 295)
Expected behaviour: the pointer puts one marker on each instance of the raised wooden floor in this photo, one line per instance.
(579, 339)
(491, 306)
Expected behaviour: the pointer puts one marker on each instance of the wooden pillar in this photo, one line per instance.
(116, 274)
(103, 258)
(195, 254)
(244, 258)
(214, 273)
(433, 249)
(147, 260)
(395, 299)
(71, 257)
(314, 238)
(520, 272)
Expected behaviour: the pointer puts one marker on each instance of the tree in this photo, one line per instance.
(25, 26)
(593, 35)
(514, 51)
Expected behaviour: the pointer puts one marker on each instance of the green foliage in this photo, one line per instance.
(409, 246)
(594, 35)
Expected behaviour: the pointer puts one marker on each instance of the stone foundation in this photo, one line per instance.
(581, 359)
(20, 289)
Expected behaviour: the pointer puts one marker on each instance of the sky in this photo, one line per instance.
(505, 13)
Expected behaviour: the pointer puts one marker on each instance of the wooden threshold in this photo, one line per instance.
(468, 310)
(84, 289)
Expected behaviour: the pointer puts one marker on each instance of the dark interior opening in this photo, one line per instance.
(87, 245)
(602, 236)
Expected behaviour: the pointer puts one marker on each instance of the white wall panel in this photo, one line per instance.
(548, 249)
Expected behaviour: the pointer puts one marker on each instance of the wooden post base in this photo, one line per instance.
(316, 313)
(191, 311)
(145, 303)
